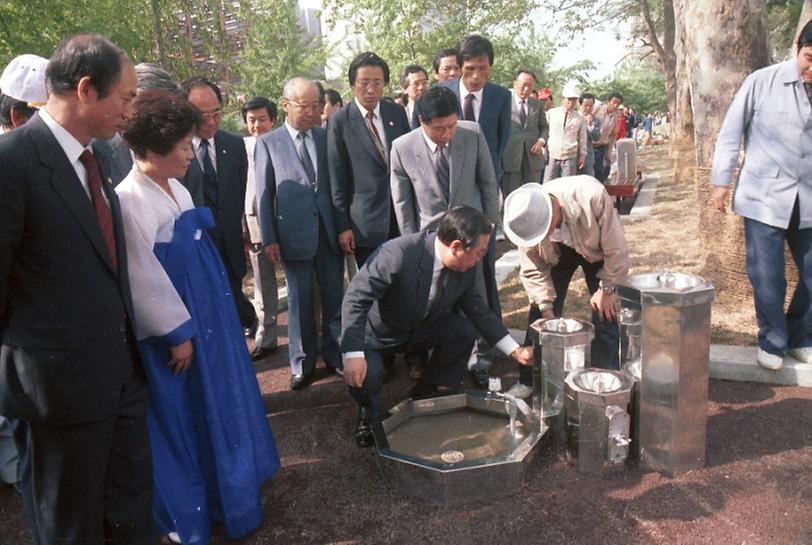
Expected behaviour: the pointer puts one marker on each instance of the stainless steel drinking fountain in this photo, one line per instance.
(561, 345)
(598, 421)
(472, 446)
(665, 333)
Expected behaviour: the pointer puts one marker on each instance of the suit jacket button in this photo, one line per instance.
(122, 328)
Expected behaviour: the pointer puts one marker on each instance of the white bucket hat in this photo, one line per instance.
(24, 79)
(528, 214)
(571, 90)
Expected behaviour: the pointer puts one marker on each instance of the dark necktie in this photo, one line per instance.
(103, 215)
(209, 177)
(434, 304)
(304, 156)
(468, 108)
(566, 114)
(523, 113)
(443, 170)
(376, 138)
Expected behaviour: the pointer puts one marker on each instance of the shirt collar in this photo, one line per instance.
(789, 72)
(294, 133)
(465, 92)
(69, 144)
(517, 99)
(438, 248)
(196, 140)
(376, 112)
(429, 142)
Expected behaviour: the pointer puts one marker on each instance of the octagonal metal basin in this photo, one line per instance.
(459, 448)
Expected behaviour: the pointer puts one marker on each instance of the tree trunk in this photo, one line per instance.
(724, 43)
(159, 35)
(682, 117)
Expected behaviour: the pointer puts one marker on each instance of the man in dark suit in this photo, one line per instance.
(217, 180)
(489, 105)
(296, 220)
(69, 368)
(359, 138)
(403, 299)
(414, 80)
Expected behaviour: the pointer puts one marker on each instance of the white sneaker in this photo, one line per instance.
(803, 355)
(769, 361)
(520, 391)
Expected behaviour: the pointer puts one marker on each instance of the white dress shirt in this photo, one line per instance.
(196, 140)
(377, 121)
(476, 103)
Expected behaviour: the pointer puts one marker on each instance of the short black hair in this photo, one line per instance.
(160, 120)
(443, 53)
(85, 55)
(521, 71)
(9, 104)
(334, 96)
(585, 96)
(615, 95)
(438, 101)
(465, 224)
(367, 58)
(200, 81)
(410, 69)
(320, 87)
(474, 46)
(805, 37)
(257, 103)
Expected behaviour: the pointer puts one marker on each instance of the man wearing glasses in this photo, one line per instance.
(414, 81)
(359, 138)
(217, 180)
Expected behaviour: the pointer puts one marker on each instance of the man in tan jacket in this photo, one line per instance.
(565, 224)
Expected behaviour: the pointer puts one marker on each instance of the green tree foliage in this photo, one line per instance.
(640, 82)
(411, 31)
(782, 17)
(275, 48)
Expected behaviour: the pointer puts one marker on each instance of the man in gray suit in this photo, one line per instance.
(359, 138)
(298, 231)
(523, 159)
(443, 164)
(404, 299)
(217, 179)
(259, 115)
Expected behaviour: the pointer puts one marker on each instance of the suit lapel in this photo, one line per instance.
(425, 269)
(223, 163)
(456, 159)
(387, 116)
(359, 126)
(115, 211)
(193, 181)
(68, 186)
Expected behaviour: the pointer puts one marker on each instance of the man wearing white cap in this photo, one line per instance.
(565, 224)
(22, 85)
(567, 143)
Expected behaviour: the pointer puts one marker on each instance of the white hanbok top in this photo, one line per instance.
(149, 215)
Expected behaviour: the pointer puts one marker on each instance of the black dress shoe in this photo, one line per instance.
(480, 377)
(423, 389)
(300, 382)
(260, 353)
(363, 429)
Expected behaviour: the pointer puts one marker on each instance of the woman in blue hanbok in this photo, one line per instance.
(211, 442)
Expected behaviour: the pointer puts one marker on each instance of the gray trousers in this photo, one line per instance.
(266, 297)
(560, 167)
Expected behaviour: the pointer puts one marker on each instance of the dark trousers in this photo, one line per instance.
(601, 168)
(764, 244)
(604, 350)
(90, 483)
(450, 337)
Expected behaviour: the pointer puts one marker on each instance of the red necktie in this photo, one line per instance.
(376, 138)
(103, 215)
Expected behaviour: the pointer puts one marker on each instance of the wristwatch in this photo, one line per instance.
(607, 289)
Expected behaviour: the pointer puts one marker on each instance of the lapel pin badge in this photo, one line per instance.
(391, 124)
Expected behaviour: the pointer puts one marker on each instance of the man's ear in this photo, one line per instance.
(85, 90)
(456, 246)
(18, 119)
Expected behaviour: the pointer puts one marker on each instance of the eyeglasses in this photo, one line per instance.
(216, 114)
(366, 83)
(420, 82)
(304, 107)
